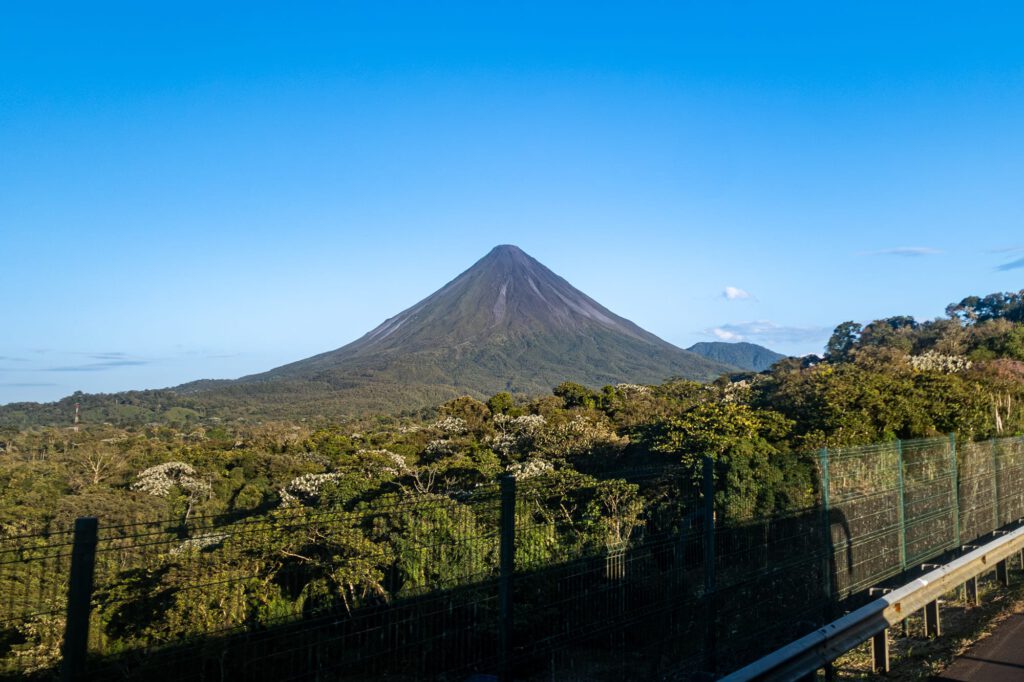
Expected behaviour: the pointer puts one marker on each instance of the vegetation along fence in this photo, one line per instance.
(667, 573)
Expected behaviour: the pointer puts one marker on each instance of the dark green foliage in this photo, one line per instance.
(575, 395)
(501, 403)
(998, 306)
(843, 340)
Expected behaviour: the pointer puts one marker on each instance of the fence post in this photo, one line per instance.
(956, 491)
(507, 567)
(902, 509)
(711, 606)
(995, 486)
(828, 551)
(76, 630)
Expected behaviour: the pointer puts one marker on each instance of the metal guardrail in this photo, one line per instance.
(872, 621)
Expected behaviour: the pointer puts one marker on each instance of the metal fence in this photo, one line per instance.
(643, 574)
(891, 506)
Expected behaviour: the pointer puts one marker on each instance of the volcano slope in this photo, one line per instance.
(508, 323)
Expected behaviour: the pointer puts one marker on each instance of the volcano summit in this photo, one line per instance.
(506, 324)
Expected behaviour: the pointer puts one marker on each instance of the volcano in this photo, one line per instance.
(508, 323)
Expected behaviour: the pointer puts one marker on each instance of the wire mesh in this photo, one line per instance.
(1009, 459)
(866, 516)
(618, 574)
(610, 574)
(978, 510)
(775, 590)
(929, 500)
(33, 595)
(407, 588)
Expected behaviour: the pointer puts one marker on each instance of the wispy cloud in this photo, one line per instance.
(97, 366)
(735, 294)
(1012, 265)
(904, 251)
(27, 384)
(108, 355)
(766, 331)
(1007, 249)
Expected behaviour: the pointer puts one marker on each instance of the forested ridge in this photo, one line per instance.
(745, 356)
(891, 378)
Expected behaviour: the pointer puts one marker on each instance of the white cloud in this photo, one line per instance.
(735, 294)
(766, 331)
(905, 251)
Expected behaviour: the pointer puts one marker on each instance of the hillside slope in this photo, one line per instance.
(506, 323)
(748, 356)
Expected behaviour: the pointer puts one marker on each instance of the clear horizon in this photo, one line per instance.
(206, 192)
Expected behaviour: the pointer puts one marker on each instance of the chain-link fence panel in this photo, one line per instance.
(1009, 466)
(929, 498)
(865, 516)
(977, 490)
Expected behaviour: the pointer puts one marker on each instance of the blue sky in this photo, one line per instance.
(213, 189)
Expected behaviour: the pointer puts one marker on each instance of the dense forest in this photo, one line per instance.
(892, 378)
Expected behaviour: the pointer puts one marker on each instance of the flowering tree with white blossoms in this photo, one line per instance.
(528, 469)
(163, 479)
(305, 489)
(516, 434)
(383, 462)
(936, 362)
(578, 436)
(451, 426)
(365, 467)
(633, 389)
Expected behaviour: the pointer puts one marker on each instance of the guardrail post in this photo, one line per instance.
(507, 567)
(880, 652)
(932, 626)
(1002, 574)
(83, 566)
(710, 587)
(972, 591)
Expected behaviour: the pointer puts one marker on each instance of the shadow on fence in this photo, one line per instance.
(686, 594)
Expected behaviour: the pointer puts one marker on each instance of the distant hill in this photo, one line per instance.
(507, 323)
(748, 356)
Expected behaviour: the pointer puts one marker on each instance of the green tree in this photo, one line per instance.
(843, 341)
(576, 395)
(501, 403)
(1000, 305)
